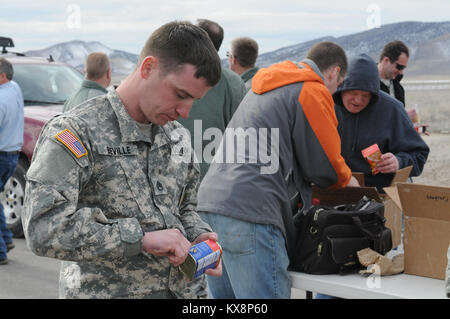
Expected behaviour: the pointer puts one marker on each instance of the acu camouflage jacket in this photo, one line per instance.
(96, 183)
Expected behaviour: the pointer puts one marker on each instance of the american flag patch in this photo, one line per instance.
(72, 143)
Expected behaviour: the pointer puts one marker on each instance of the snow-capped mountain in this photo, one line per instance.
(75, 52)
(429, 44)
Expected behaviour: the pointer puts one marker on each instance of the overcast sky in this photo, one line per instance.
(126, 24)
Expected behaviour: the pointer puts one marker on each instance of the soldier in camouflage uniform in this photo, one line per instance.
(112, 187)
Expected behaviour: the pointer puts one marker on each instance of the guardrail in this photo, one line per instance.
(420, 85)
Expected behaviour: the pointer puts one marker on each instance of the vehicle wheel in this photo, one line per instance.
(12, 199)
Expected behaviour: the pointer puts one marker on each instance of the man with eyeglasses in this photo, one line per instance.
(393, 61)
(213, 112)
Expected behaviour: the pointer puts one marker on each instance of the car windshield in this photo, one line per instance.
(46, 84)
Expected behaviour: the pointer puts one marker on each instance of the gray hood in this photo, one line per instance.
(362, 75)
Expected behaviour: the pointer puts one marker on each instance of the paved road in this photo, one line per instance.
(28, 276)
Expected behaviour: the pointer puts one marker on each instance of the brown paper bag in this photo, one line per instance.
(386, 266)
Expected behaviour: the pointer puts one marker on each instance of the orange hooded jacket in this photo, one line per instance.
(290, 102)
(317, 104)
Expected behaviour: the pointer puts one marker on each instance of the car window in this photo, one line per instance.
(43, 83)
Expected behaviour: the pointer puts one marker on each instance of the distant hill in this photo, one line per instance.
(429, 44)
(75, 52)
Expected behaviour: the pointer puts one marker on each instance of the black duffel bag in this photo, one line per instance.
(328, 238)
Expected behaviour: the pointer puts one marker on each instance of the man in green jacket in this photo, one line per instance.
(98, 78)
(242, 59)
(210, 115)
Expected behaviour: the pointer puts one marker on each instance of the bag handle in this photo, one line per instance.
(378, 243)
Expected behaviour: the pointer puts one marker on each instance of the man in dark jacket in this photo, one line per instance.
(369, 116)
(393, 60)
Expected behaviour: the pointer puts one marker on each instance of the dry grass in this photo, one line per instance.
(434, 107)
(436, 171)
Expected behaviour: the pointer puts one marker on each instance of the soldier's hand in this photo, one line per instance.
(167, 242)
(216, 272)
(205, 236)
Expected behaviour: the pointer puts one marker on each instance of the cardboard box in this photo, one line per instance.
(427, 227)
(392, 212)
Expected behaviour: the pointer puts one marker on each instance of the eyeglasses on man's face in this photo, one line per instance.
(229, 54)
(397, 65)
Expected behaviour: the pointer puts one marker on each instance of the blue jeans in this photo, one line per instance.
(8, 165)
(254, 260)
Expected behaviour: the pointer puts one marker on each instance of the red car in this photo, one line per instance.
(45, 87)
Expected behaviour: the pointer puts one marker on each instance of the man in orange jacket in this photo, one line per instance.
(282, 138)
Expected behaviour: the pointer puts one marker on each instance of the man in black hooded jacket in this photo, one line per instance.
(368, 116)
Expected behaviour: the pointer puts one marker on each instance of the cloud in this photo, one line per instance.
(126, 24)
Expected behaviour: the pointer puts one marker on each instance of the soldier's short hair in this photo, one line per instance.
(97, 65)
(7, 68)
(245, 50)
(393, 50)
(181, 42)
(328, 54)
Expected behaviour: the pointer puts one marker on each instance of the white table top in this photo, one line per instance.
(355, 286)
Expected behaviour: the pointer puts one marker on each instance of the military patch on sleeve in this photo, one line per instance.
(72, 143)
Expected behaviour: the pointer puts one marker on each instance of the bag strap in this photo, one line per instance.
(358, 223)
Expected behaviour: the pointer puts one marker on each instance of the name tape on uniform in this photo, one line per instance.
(72, 143)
